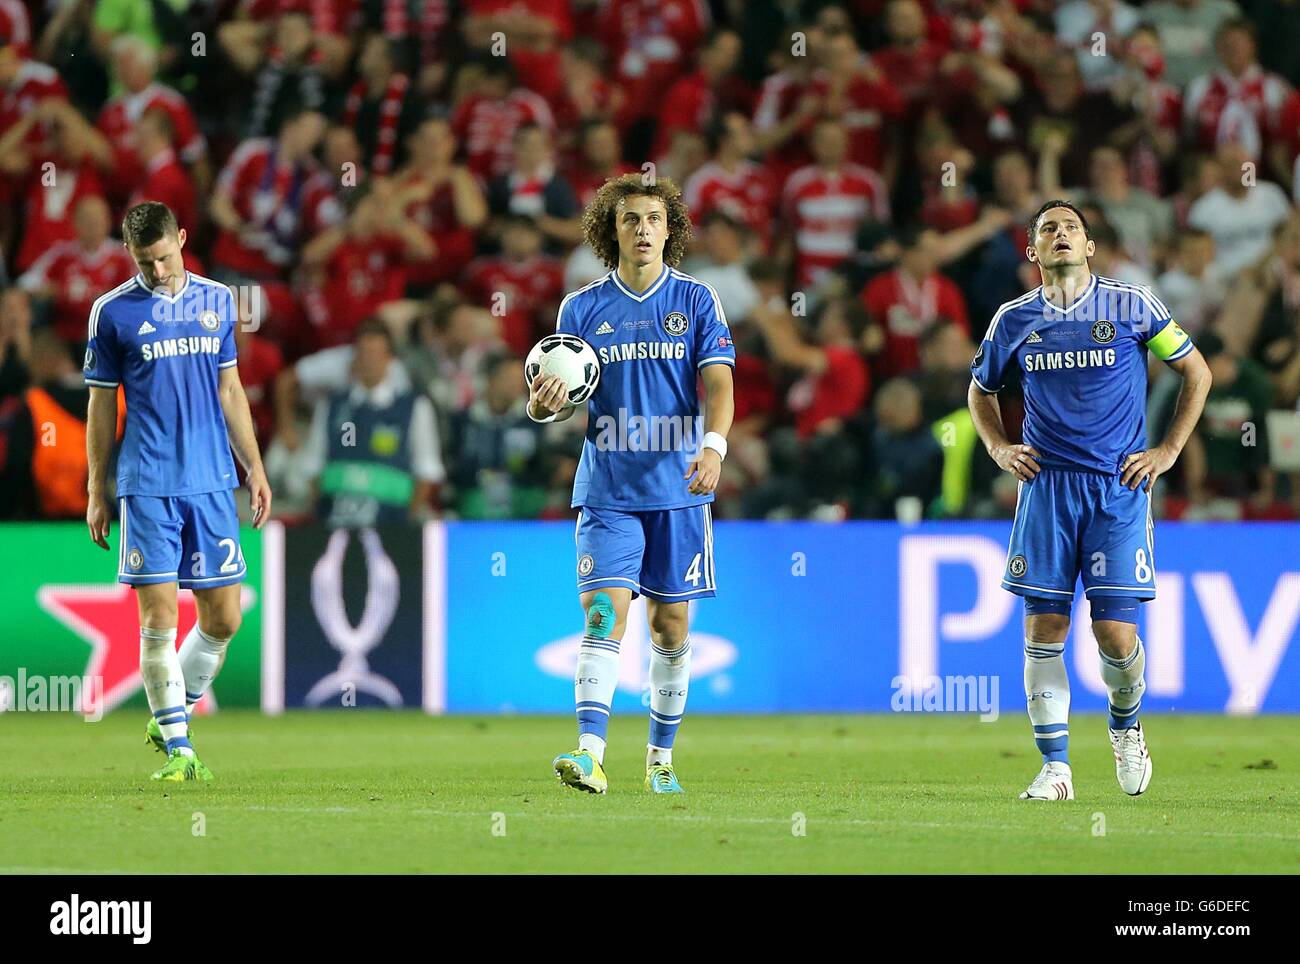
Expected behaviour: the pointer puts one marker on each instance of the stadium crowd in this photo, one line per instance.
(394, 189)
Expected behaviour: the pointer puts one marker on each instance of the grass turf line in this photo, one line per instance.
(356, 791)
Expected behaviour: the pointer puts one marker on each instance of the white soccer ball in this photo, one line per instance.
(569, 357)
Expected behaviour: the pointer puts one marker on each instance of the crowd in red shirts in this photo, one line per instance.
(859, 174)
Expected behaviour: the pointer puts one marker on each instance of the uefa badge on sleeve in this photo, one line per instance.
(585, 565)
(90, 360)
(209, 320)
(676, 323)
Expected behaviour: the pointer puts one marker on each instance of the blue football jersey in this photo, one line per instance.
(1083, 369)
(165, 351)
(644, 426)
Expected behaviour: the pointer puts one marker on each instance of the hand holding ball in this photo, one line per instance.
(561, 371)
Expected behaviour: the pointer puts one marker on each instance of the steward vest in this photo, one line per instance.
(367, 478)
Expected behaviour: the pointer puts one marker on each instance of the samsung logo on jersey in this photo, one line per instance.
(1051, 361)
(171, 347)
(667, 350)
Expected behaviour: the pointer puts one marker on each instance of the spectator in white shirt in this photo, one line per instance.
(722, 265)
(1241, 213)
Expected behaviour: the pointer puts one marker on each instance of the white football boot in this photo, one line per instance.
(1132, 761)
(1054, 782)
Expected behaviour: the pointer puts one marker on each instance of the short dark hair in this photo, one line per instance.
(593, 123)
(292, 107)
(497, 357)
(375, 326)
(1105, 233)
(909, 235)
(1234, 24)
(767, 269)
(517, 219)
(1209, 344)
(494, 66)
(718, 130)
(1057, 203)
(148, 223)
(721, 216)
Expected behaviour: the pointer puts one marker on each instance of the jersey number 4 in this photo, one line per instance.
(693, 574)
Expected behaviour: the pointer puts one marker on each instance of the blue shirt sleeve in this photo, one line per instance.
(228, 356)
(990, 365)
(103, 364)
(713, 344)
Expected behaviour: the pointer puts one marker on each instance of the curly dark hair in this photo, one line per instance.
(598, 220)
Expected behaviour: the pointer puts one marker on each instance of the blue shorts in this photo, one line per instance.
(190, 539)
(665, 554)
(1071, 524)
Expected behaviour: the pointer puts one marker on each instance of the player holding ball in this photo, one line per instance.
(650, 462)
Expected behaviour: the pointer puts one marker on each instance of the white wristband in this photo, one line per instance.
(540, 421)
(716, 441)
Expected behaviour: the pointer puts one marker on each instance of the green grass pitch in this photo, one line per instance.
(355, 791)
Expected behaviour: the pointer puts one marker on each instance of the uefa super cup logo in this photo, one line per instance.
(354, 642)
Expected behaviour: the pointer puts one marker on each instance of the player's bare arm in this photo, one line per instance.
(1020, 460)
(101, 428)
(719, 410)
(243, 442)
(1143, 468)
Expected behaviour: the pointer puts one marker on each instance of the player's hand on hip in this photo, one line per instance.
(1143, 468)
(259, 496)
(547, 395)
(97, 520)
(1020, 460)
(705, 470)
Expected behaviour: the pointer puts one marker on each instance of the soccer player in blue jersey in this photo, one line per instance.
(167, 337)
(650, 462)
(1080, 344)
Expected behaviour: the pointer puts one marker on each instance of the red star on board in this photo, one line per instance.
(108, 619)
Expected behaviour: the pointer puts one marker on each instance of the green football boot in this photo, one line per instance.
(180, 768)
(580, 770)
(660, 778)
